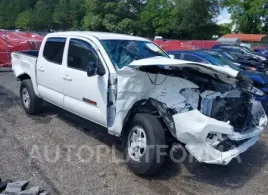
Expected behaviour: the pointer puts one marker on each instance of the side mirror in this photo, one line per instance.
(171, 56)
(95, 68)
(100, 70)
(91, 69)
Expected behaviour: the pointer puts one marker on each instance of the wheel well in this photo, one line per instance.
(142, 106)
(149, 106)
(24, 77)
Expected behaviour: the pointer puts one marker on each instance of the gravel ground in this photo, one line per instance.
(30, 144)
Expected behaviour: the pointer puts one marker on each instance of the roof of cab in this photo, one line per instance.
(99, 35)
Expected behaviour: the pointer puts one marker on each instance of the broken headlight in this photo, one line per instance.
(257, 92)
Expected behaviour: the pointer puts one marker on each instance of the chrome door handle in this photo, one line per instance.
(67, 78)
(41, 69)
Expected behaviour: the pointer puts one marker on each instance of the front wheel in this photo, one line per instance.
(31, 103)
(145, 145)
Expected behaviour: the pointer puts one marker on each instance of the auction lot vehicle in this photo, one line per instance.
(118, 81)
(242, 51)
(213, 57)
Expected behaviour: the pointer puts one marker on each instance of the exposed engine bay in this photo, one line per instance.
(225, 102)
(231, 103)
(202, 108)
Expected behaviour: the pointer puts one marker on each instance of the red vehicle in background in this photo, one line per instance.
(16, 41)
(169, 45)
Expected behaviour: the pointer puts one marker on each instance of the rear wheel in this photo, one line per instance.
(145, 145)
(31, 103)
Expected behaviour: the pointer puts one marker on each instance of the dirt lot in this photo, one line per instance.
(23, 137)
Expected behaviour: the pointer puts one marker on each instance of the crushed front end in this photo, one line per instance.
(226, 123)
(211, 112)
(217, 142)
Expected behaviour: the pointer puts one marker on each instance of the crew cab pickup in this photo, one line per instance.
(133, 88)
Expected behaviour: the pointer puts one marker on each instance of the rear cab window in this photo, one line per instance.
(53, 50)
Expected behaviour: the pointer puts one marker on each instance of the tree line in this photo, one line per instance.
(183, 19)
(249, 16)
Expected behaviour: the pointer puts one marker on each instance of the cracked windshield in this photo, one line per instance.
(123, 52)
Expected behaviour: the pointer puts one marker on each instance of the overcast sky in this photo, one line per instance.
(225, 17)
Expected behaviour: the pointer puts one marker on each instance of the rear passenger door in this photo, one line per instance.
(83, 95)
(50, 70)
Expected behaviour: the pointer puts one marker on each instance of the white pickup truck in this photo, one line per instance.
(134, 89)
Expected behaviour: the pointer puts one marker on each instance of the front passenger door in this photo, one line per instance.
(83, 95)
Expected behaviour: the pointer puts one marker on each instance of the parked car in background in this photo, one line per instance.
(243, 51)
(215, 58)
(260, 78)
(262, 52)
(115, 81)
(242, 61)
(204, 56)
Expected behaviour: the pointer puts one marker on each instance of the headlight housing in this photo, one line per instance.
(257, 92)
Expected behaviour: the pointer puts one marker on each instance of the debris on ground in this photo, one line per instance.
(8, 187)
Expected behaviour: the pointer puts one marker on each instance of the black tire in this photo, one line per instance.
(151, 161)
(35, 103)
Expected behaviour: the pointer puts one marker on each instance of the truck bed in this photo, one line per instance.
(23, 60)
(33, 53)
(24, 63)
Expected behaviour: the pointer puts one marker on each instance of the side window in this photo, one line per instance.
(235, 49)
(241, 50)
(81, 54)
(192, 58)
(227, 48)
(177, 55)
(54, 49)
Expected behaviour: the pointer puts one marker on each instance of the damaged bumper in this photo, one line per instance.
(207, 154)
(212, 141)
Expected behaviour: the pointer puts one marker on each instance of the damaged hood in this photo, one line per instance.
(159, 60)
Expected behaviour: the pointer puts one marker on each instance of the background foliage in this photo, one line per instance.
(184, 19)
(250, 16)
